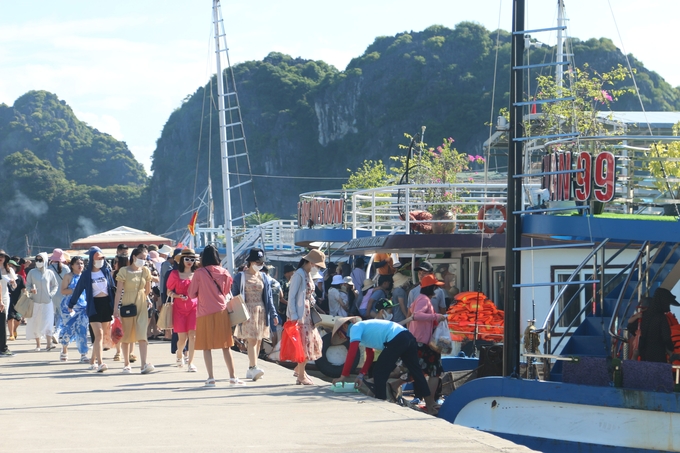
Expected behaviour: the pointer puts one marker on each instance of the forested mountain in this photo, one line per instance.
(62, 179)
(303, 119)
(306, 119)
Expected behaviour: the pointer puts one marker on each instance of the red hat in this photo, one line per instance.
(430, 280)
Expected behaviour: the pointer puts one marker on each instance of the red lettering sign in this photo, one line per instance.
(321, 211)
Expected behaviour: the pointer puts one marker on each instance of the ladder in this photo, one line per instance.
(233, 145)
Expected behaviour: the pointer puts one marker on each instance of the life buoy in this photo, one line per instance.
(498, 211)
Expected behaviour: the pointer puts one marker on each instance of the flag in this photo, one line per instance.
(192, 224)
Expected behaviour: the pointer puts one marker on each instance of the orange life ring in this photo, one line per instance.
(485, 226)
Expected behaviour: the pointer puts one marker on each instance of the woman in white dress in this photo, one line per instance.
(42, 285)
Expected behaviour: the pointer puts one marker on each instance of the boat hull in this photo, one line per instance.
(558, 417)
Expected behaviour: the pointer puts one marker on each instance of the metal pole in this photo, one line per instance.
(226, 190)
(513, 234)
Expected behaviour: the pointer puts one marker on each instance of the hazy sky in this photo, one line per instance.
(125, 65)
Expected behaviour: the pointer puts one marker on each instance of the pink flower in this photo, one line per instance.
(439, 149)
(451, 140)
(607, 96)
(471, 158)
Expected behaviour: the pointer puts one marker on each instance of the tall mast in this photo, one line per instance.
(513, 236)
(559, 71)
(228, 237)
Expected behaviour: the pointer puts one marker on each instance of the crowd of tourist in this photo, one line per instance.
(76, 300)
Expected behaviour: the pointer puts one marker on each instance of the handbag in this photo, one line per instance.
(238, 312)
(236, 306)
(24, 305)
(314, 314)
(129, 311)
(165, 317)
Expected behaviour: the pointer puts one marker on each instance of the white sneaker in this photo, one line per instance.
(93, 367)
(102, 368)
(180, 363)
(127, 370)
(148, 368)
(254, 373)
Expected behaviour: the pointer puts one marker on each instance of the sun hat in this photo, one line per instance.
(317, 276)
(316, 257)
(348, 280)
(256, 254)
(57, 255)
(384, 304)
(339, 322)
(152, 248)
(399, 279)
(664, 295)
(425, 266)
(337, 280)
(430, 280)
(165, 250)
(189, 253)
(13, 263)
(368, 284)
(153, 256)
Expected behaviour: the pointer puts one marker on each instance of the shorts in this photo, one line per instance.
(102, 306)
(430, 361)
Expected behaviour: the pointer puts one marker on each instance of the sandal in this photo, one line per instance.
(116, 358)
(133, 358)
(192, 368)
(236, 381)
(63, 357)
(210, 383)
(305, 381)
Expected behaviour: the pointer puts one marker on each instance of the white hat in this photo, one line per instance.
(337, 280)
(165, 250)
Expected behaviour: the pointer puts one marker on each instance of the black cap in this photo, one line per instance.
(288, 268)
(256, 254)
(121, 247)
(383, 304)
(425, 266)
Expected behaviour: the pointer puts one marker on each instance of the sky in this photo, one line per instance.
(124, 66)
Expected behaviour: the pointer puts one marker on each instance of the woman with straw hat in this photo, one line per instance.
(183, 306)
(300, 301)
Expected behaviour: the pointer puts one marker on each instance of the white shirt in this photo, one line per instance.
(99, 284)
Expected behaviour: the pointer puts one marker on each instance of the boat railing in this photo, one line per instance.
(419, 207)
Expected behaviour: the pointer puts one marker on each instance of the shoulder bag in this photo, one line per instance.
(24, 305)
(130, 311)
(236, 306)
(165, 316)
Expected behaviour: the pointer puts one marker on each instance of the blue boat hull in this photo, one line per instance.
(558, 417)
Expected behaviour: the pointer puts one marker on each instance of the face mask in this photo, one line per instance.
(314, 270)
(139, 262)
(387, 316)
(257, 267)
(98, 264)
(39, 264)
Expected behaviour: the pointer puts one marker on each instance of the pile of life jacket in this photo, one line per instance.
(675, 334)
(471, 305)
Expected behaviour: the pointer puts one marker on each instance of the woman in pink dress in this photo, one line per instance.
(183, 307)
(300, 300)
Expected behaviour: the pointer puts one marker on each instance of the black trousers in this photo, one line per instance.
(404, 347)
(3, 329)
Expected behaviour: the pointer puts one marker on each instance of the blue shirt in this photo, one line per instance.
(374, 333)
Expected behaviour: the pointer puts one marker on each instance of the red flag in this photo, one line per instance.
(192, 224)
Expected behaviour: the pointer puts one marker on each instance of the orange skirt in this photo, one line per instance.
(213, 332)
